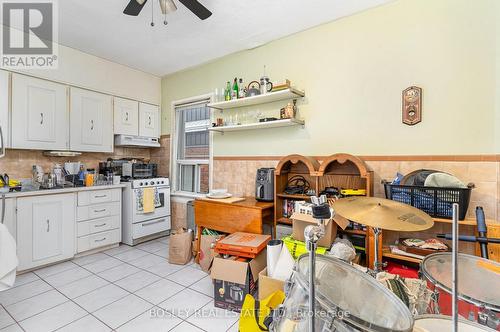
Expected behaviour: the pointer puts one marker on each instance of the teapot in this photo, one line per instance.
(253, 89)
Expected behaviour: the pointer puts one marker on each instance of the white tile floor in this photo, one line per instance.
(122, 289)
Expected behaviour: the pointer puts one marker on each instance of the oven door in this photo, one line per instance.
(163, 210)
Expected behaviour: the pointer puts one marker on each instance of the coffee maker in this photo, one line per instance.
(264, 185)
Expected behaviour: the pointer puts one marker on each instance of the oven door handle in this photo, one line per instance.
(152, 223)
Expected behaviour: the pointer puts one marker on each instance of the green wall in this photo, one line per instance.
(353, 71)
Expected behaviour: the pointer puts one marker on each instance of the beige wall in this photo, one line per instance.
(353, 71)
(91, 72)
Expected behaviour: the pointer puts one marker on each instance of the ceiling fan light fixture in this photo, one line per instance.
(140, 2)
(167, 6)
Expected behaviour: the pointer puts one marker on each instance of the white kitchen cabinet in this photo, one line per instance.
(4, 109)
(126, 117)
(10, 215)
(91, 121)
(46, 229)
(149, 120)
(98, 217)
(39, 114)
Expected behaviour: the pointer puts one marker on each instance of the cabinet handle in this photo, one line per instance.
(101, 210)
(91, 124)
(100, 240)
(48, 225)
(126, 116)
(100, 196)
(150, 120)
(101, 225)
(2, 154)
(41, 118)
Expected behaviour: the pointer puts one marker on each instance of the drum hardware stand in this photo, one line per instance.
(481, 229)
(321, 212)
(377, 265)
(454, 275)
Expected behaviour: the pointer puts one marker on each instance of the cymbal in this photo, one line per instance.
(383, 213)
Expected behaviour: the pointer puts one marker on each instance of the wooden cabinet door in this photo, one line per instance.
(39, 114)
(47, 231)
(91, 121)
(4, 108)
(126, 116)
(149, 120)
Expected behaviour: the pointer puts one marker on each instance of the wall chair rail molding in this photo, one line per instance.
(464, 158)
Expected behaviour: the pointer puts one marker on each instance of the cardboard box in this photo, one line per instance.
(268, 285)
(233, 280)
(301, 221)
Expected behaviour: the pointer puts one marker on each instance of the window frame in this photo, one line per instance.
(174, 145)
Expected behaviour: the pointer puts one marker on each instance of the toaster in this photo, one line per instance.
(264, 185)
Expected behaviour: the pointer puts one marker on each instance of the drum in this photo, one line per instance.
(478, 287)
(346, 300)
(438, 323)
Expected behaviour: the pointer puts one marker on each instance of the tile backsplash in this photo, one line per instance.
(238, 176)
(18, 163)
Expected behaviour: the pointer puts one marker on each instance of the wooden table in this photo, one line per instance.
(244, 216)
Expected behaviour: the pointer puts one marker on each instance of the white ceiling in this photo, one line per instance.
(100, 28)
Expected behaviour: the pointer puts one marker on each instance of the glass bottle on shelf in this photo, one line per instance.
(235, 90)
(242, 91)
(227, 91)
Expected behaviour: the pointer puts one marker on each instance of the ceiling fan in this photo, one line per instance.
(134, 7)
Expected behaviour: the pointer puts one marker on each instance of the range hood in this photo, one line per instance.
(61, 153)
(136, 141)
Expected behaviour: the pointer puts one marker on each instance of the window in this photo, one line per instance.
(192, 148)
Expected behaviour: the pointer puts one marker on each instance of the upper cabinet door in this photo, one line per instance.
(39, 114)
(149, 120)
(91, 121)
(126, 113)
(4, 110)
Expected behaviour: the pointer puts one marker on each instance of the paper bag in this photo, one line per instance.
(206, 251)
(180, 246)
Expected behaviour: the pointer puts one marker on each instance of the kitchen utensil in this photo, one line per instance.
(72, 167)
(253, 89)
(265, 85)
(59, 175)
(49, 181)
(37, 172)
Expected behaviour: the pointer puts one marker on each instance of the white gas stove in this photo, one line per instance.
(138, 225)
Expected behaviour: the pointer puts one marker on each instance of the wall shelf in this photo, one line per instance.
(270, 97)
(260, 125)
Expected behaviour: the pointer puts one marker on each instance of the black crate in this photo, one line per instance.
(435, 201)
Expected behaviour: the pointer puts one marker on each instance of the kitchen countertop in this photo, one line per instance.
(61, 190)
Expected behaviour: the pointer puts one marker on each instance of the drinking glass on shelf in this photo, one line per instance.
(216, 95)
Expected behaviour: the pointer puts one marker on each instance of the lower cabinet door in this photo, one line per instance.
(47, 231)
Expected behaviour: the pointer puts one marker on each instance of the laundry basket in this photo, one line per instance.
(435, 201)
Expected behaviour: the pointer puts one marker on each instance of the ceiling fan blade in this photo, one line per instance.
(197, 8)
(134, 7)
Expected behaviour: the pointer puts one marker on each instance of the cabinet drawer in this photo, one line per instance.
(149, 227)
(99, 196)
(98, 240)
(98, 211)
(97, 225)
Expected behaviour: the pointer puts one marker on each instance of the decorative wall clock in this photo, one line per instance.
(412, 105)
